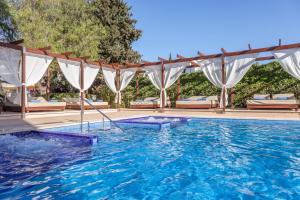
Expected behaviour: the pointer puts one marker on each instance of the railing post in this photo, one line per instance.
(163, 85)
(178, 89)
(118, 85)
(137, 86)
(23, 87)
(48, 84)
(223, 81)
(81, 93)
(232, 90)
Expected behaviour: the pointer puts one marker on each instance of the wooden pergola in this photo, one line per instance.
(223, 54)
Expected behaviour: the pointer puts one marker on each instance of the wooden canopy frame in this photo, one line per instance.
(46, 52)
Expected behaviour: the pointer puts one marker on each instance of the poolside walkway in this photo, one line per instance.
(11, 121)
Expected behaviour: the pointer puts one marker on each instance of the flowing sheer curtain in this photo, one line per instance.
(90, 74)
(235, 68)
(11, 70)
(171, 74)
(10, 60)
(126, 76)
(36, 66)
(289, 60)
(71, 71)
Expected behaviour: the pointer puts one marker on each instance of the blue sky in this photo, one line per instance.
(186, 26)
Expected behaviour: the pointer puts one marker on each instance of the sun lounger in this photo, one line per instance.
(74, 104)
(279, 101)
(147, 103)
(206, 102)
(36, 104)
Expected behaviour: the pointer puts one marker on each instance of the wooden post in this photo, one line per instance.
(48, 87)
(81, 92)
(223, 81)
(23, 80)
(232, 97)
(137, 86)
(178, 89)
(118, 84)
(163, 84)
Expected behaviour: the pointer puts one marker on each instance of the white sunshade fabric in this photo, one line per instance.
(71, 71)
(235, 68)
(11, 68)
(171, 74)
(10, 60)
(289, 60)
(36, 66)
(126, 76)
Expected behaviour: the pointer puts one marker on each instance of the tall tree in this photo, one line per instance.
(7, 30)
(65, 25)
(117, 19)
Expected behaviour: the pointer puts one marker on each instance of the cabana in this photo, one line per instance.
(224, 70)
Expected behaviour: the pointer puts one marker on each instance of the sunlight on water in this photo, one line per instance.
(201, 159)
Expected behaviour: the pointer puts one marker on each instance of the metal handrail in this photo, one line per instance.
(103, 114)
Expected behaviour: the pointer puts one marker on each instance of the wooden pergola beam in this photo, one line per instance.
(45, 48)
(192, 62)
(162, 59)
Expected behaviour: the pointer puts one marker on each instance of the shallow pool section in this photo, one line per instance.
(200, 159)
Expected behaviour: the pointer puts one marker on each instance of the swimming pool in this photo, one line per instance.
(200, 159)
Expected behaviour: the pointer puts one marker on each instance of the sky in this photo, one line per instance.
(187, 26)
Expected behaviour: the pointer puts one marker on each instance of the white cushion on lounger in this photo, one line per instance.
(261, 96)
(212, 98)
(205, 102)
(144, 103)
(45, 104)
(272, 101)
(288, 96)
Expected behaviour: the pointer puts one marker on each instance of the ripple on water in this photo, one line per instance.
(204, 159)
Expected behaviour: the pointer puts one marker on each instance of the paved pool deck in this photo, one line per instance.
(11, 122)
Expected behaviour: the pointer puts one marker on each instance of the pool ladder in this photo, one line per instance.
(100, 112)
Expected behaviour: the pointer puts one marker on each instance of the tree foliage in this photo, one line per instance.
(101, 29)
(7, 30)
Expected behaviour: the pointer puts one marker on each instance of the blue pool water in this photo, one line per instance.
(200, 159)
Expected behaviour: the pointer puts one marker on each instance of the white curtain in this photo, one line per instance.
(126, 76)
(36, 66)
(171, 74)
(235, 68)
(10, 60)
(71, 70)
(90, 74)
(289, 60)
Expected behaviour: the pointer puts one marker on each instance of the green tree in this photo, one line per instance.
(7, 30)
(116, 17)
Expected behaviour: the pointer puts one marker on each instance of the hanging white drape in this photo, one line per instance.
(126, 76)
(36, 66)
(171, 74)
(10, 60)
(71, 71)
(289, 60)
(235, 69)
(90, 74)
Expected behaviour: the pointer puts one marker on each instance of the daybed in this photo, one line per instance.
(279, 101)
(148, 103)
(74, 104)
(207, 102)
(35, 104)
